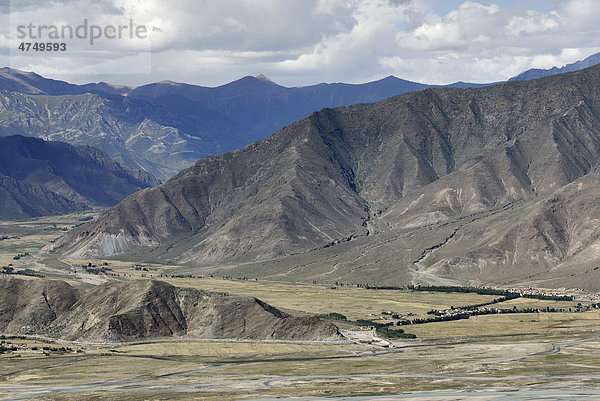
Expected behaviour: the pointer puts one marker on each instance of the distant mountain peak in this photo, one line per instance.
(8, 70)
(23, 74)
(534, 73)
(263, 78)
(169, 82)
(103, 83)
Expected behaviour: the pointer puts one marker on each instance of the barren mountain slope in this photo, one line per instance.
(44, 177)
(116, 312)
(21, 200)
(32, 305)
(403, 163)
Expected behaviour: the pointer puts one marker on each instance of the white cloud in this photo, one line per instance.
(470, 24)
(307, 41)
(358, 48)
(534, 22)
(580, 15)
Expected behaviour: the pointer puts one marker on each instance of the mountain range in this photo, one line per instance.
(165, 127)
(42, 178)
(447, 185)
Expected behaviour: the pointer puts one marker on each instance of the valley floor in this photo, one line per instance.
(558, 366)
(520, 356)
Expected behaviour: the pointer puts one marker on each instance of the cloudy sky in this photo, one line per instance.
(301, 42)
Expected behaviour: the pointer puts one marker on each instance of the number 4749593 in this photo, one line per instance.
(41, 47)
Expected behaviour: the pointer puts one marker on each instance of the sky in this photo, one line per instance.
(296, 42)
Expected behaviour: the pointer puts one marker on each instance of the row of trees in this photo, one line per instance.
(475, 312)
